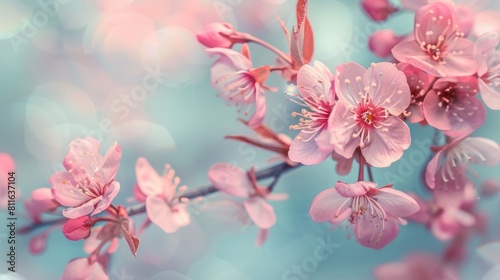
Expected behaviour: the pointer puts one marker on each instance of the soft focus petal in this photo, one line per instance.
(161, 214)
(230, 179)
(481, 150)
(371, 234)
(306, 152)
(396, 203)
(80, 269)
(148, 180)
(261, 212)
(382, 41)
(356, 189)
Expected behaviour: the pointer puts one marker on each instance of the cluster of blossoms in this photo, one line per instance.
(350, 113)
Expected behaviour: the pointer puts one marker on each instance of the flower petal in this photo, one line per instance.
(148, 180)
(107, 198)
(64, 192)
(490, 95)
(388, 143)
(161, 214)
(230, 179)
(347, 84)
(261, 212)
(315, 81)
(306, 152)
(342, 126)
(328, 205)
(356, 189)
(372, 234)
(396, 203)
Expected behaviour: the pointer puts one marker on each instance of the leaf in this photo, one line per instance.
(132, 240)
(302, 41)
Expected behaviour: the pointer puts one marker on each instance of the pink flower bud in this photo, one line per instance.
(76, 229)
(219, 35)
(382, 42)
(378, 10)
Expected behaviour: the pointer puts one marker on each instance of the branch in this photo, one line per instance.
(273, 171)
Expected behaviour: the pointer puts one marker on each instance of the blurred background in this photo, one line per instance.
(132, 71)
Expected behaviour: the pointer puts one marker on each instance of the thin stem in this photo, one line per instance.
(274, 171)
(272, 48)
(361, 172)
(370, 174)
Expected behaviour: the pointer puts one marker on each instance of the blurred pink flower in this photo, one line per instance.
(417, 266)
(490, 187)
(378, 10)
(452, 106)
(419, 83)
(366, 114)
(488, 57)
(446, 169)
(373, 212)
(162, 206)
(7, 165)
(382, 41)
(40, 201)
(84, 269)
(219, 35)
(439, 47)
(234, 181)
(239, 83)
(88, 185)
(317, 95)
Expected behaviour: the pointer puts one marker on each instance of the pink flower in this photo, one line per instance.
(439, 47)
(88, 185)
(162, 206)
(40, 201)
(446, 169)
(7, 165)
(317, 94)
(219, 35)
(452, 106)
(366, 114)
(234, 181)
(239, 83)
(419, 83)
(84, 269)
(78, 228)
(488, 57)
(382, 41)
(417, 266)
(378, 10)
(373, 212)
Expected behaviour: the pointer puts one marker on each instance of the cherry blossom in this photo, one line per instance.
(317, 95)
(238, 82)
(234, 181)
(40, 201)
(382, 41)
(446, 169)
(366, 114)
(87, 186)
(452, 106)
(439, 47)
(373, 212)
(488, 57)
(84, 269)
(419, 83)
(162, 206)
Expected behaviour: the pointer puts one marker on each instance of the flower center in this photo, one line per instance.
(446, 97)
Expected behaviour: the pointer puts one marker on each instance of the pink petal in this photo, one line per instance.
(149, 182)
(229, 59)
(484, 49)
(328, 205)
(161, 214)
(261, 237)
(482, 150)
(306, 152)
(78, 228)
(109, 165)
(342, 126)
(347, 86)
(396, 203)
(490, 95)
(486, 21)
(382, 41)
(82, 210)
(388, 87)
(314, 81)
(230, 179)
(260, 107)
(38, 243)
(388, 143)
(343, 166)
(107, 198)
(7, 163)
(64, 191)
(80, 269)
(432, 169)
(261, 212)
(372, 234)
(410, 52)
(356, 189)
(460, 59)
